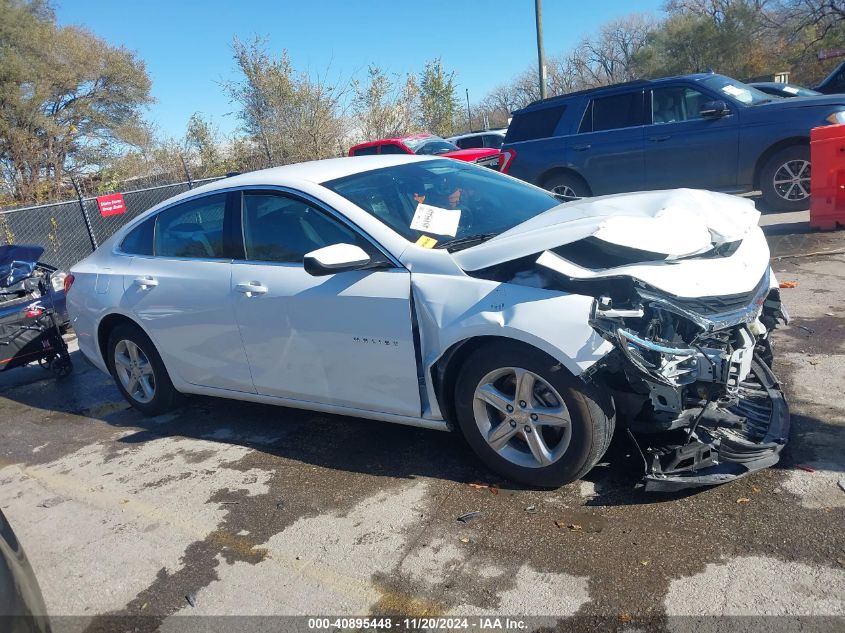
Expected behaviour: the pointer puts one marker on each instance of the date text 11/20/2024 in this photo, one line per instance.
(485, 623)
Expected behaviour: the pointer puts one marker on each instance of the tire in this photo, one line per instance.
(572, 449)
(790, 167)
(149, 371)
(571, 186)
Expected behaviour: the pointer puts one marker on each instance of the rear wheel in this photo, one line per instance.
(785, 179)
(568, 186)
(139, 372)
(528, 418)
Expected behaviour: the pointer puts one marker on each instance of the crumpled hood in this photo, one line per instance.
(672, 224)
(675, 223)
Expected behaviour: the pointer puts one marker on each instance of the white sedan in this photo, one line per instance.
(430, 292)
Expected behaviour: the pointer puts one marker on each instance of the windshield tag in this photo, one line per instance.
(426, 242)
(435, 220)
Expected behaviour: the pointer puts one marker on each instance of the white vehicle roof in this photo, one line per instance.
(500, 131)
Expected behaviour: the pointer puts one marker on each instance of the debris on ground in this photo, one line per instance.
(572, 527)
(645, 563)
(49, 503)
(808, 469)
(280, 505)
(755, 489)
(465, 540)
(192, 599)
(842, 484)
(469, 516)
(788, 284)
(808, 330)
(490, 487)
(743, 500)
(531, 509)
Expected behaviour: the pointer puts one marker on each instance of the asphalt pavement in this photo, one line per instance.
(228, 508)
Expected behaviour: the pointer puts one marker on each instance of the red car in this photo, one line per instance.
(429, 145)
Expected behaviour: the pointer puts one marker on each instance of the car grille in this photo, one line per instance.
(707, 306)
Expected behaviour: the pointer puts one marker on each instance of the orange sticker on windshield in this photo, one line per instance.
(426, 242)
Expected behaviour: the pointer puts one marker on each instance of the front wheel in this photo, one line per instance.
(528, 418)
(785, 179)
(138, 371)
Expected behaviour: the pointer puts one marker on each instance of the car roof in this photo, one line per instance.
(395, 139)
(499, 130)
(613, 87)
(315, 172)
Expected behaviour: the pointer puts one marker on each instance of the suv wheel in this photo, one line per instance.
(785, 179)
(529, 419)
(568, 186)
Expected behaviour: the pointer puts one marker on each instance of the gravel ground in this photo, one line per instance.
(225, 508)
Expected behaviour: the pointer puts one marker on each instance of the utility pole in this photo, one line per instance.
(469, 116)
(541, 56)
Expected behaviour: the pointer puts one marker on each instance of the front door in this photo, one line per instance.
(344, 339)
(684, 149)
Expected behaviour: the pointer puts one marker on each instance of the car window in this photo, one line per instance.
(365, 151)
(392, 148)
(139, 241)
(614, 112)
(435, 147)
(535, 124)
(192, 229)
(493, 140)
(670, 105)
(279, 228)
(488, 202)
(470, 142)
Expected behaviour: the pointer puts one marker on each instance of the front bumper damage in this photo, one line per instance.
(731, 441)
(694, 385)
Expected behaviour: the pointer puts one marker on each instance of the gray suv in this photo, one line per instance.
(705, 131)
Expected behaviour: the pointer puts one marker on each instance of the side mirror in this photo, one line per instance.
(714, 109)
(336, 258)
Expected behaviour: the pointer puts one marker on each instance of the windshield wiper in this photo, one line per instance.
(461, 243)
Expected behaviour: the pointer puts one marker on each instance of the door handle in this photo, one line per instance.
(659, 139)
(581, 148)
(146, 282)
(251, 288)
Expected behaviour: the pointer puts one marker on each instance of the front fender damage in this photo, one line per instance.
(691, 378)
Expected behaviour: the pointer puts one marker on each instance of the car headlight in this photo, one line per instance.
(57, 279)
(836, 118)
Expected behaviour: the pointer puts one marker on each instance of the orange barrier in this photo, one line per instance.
(827, 178)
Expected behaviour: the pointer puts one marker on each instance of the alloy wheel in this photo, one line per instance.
(522, 417)
(565, 191)
(134, 371)
(792, 180)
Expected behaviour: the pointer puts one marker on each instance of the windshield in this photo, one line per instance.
(736, 90)
(429, 145)
(445, 200)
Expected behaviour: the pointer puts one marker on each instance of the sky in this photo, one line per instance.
(186, 44)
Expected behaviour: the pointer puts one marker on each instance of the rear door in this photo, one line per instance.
(343, 339)
(181, 294)
(684, 149)
(608, 149)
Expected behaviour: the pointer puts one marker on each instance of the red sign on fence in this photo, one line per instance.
(111, 204)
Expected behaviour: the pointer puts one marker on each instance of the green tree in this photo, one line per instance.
(202, 144)
(382, 106)
(439, 105)
(69, 101)
(291, 116)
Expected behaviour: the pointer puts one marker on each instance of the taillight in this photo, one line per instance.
(33, 313)
(68, 282)
(506, 159)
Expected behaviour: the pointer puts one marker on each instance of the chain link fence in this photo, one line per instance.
(70, 230)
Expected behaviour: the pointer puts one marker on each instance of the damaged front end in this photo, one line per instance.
(692, 378)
